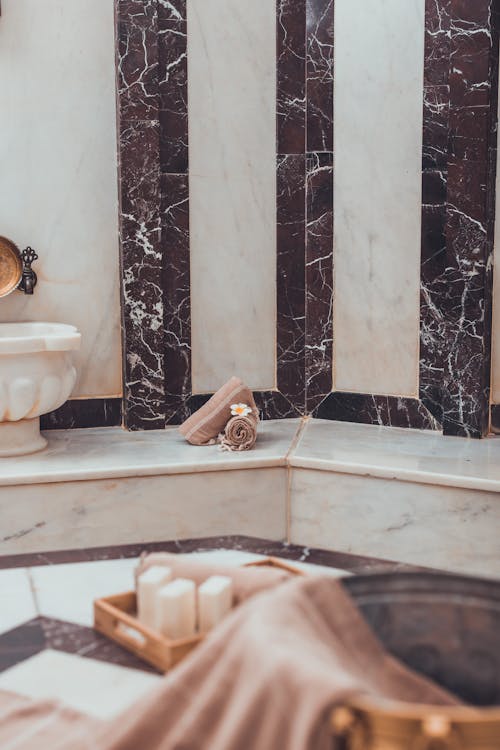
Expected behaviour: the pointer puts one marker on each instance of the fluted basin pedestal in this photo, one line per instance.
(37, 375)
(18, 438)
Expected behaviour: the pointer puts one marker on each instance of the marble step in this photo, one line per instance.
(406, 495)
(106, 486)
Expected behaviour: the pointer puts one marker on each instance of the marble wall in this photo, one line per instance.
(379, 68)
(232, 191)
(58, 174)
(388, 322)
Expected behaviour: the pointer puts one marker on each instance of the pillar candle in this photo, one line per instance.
(176, 606)
(215, 599)
(148, 585)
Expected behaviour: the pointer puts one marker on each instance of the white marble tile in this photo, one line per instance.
(441, 527)
(112, 452)
(411, 455)
(17, 603)
(58, 178)
(66, 515)
(232, 182)
(379, 48)
(67, 591)
(87, 685)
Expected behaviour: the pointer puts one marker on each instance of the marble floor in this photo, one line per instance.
(48, 648)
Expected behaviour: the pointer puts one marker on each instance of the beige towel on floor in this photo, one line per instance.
(206, 423)
(267, 679)
(26, 724)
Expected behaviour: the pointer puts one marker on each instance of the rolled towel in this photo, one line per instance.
(204, 426)
(240, 434)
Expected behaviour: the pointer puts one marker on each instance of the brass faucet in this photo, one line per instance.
(29, 278)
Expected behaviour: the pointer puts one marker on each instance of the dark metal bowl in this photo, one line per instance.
(444, 626)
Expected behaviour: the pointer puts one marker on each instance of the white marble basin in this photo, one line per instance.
(36, 376)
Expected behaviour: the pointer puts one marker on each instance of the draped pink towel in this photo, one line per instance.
(266, 679)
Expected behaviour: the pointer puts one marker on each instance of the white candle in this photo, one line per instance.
(176, 606)
(215, 599)
(148, 585)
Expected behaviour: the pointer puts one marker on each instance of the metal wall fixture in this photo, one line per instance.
(15, 268)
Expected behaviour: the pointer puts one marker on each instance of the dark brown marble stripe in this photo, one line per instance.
(470, 216)
(435, 136)
(389, 411)
(342, 560)
(291, 76)
(139, 197)
(173, 91)
(319, 75)
(319, 278)
(177, 295)
(291, 250)
(93, 412)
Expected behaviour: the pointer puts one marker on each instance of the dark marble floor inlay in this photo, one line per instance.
(41, 633)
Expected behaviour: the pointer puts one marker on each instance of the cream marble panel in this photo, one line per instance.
(379, 57)
(58, 175)
(87, 685)
(232, 183)
(440, 527)
(146, 509)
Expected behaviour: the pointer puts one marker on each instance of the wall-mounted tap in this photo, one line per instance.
(29, 278)
(15, 268)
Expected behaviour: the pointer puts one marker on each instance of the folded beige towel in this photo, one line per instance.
(239, 434)
(204, 425)
(247, 581)
(267, 678)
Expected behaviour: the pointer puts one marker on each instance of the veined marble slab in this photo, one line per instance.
(390, 452)
(441, 527)
(232, 191)
(109, 452)
(58, 178)
(133, 510)
(379, 64)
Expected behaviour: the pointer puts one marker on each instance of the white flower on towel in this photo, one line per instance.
(240, 410)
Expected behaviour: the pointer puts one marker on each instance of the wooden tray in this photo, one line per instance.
(116, 618)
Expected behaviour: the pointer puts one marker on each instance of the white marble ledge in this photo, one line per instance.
(110, 452)
(416, 456)
(339, 447)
